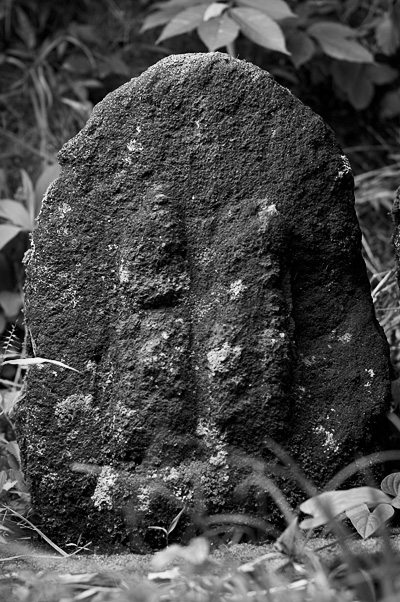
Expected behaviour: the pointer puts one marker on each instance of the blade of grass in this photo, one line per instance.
(38, 531)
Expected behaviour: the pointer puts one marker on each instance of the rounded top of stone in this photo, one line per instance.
(187, 63)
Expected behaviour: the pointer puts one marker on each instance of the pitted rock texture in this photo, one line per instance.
(199, 262)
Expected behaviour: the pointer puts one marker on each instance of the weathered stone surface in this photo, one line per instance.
(199, 262)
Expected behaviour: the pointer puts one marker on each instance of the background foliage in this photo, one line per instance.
(349, 41)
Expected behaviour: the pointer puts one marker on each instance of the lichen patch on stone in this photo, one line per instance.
(67, 409)
(103, 494)
(134, 146)
(236, 289)
(328, 442)
(346, 167)
(345, 338)
(123, 272)
(222, 359)
(266, 212)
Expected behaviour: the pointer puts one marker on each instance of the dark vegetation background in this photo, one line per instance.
(59, 59)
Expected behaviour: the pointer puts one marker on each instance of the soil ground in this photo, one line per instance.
(16, 557)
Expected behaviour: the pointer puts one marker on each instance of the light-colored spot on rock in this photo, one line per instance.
(70, 296)
(328, 439)
(266, 213)
(220, 359)
(236, 289)
(345, 168)
(134, 146)
(144, 498)
(310, 360)
(207, 256)
(64, 208)
(271, 337)
(212, 437)
(123, 272)
(345, 338)
(67, 409)
(219, 459)
(102, 496)
(371, 374)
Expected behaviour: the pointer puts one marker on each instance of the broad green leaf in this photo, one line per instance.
(178, 4)
(332, 503)
(391, 483)
(276, 9)
(358, 80)
(160, 17)
(12, 461)
(32, 361)
(387, 34)
(301, 47)
(12, 448)
(113, 63)
(337, 41)
(355, 81)
(11, 303)
(332, 28)
(7, 233)
(215, 10)
(218, 32)
(16, 214)
(390, 105)
(185, 21)
(260, 28)
(382, 74)
(9, 485)
(366, 522)
(18, 476)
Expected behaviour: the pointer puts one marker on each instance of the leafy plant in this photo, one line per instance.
(18, 213)
(355, 504)
(17, 217)
(53, 58)
(171, 527)
(305, 32)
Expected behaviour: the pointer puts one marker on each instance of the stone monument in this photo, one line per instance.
(198, 262)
